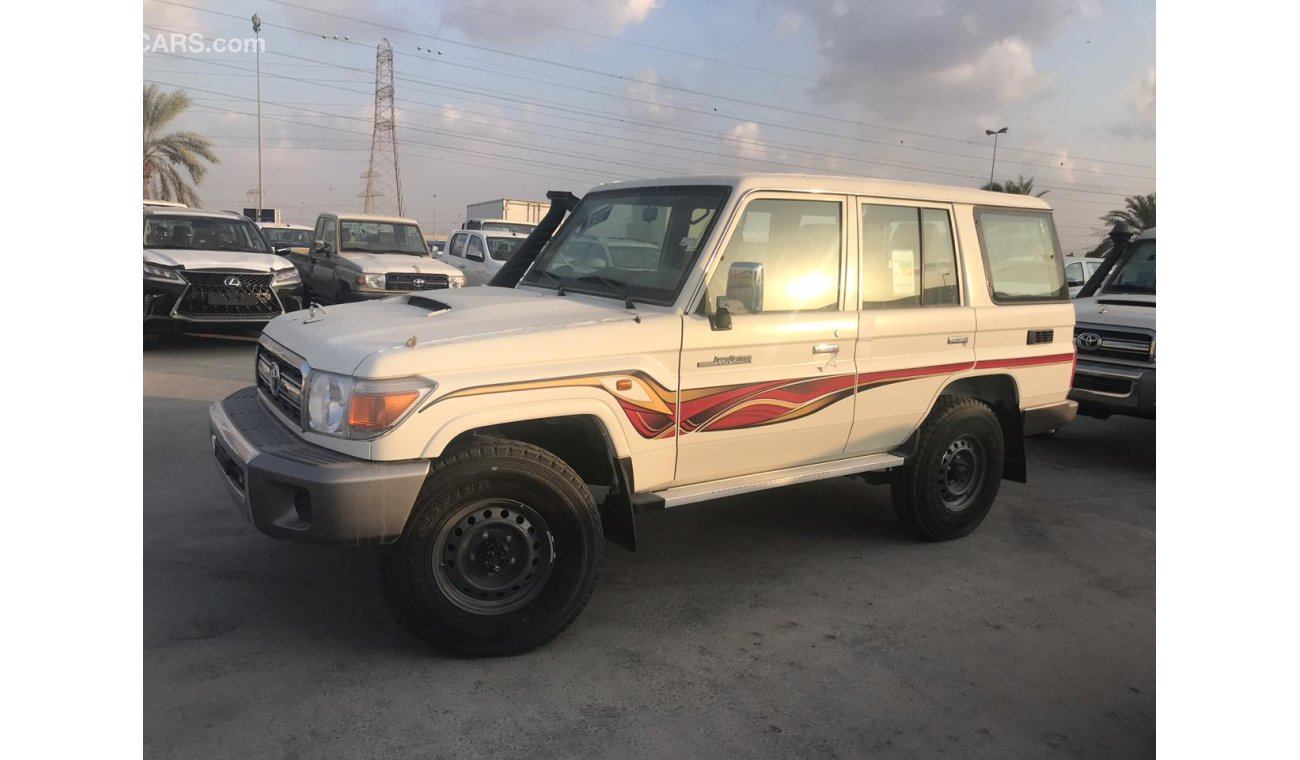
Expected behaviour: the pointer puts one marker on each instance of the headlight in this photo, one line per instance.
(376, 281)
(456, 281)
(348, 408)
(286, 277)
(153, 272)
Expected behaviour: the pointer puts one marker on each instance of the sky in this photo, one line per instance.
(511, 98)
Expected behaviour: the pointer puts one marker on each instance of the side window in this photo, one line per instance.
(327, 233)
(784, 256)
(458, 246)
(1021, 255)
(1074, 272)
(474, 251)
(908, 258)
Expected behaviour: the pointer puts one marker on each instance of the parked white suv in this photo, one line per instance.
(480, 254)
(788, 328)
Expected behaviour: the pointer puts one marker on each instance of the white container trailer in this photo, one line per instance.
(509, 209)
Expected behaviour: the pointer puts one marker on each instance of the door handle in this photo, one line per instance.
(956, 339)
(826, 348)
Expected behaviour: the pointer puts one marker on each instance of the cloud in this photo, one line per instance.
(1140, 97)
(650, 102)
(742, 141)
(975, 52)
(513, 21)
(789, 24)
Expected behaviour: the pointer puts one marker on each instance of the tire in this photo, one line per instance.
(500, 554)
(946, 488)
(152, 341)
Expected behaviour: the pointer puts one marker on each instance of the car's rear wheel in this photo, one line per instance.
(948, 485)
(500, 554)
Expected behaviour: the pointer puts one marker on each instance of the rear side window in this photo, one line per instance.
(908, 258)
(1021, 255)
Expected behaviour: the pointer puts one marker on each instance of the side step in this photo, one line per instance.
(717, 489)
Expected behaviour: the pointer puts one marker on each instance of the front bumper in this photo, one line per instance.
(1106, 389)
(288, 488)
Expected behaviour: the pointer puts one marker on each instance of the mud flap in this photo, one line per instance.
(616, 510)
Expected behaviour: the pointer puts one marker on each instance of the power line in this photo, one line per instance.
(834, 157)
(713, 114)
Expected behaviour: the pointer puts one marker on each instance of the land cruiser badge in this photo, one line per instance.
(726, 361)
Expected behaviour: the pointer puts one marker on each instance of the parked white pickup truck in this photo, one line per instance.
(782, 329)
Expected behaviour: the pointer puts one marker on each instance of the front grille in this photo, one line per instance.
(284, 391)
(228, 294)
(1112, 344)
(415, 281)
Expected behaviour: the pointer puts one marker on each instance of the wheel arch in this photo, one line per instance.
(585, 437)
(1001, 392)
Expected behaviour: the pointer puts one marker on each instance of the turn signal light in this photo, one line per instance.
(376, 411)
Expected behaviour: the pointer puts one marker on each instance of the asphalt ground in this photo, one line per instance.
(800, 622)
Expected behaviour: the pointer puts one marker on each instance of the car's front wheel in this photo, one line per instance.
(500, 554)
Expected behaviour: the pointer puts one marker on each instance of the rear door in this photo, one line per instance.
(916, 328)
(776, 389)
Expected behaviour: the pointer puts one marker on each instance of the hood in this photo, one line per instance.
(341, 338)
(382, 263)
(198, 259)
(1117, 310)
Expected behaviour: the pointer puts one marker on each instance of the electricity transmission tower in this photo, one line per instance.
(383, 193)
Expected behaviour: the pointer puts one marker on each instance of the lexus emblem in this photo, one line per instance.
(1088, 341)
(418, 282)
(232, 282)
(274, 379)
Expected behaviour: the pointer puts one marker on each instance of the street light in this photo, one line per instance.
(435, 214)
(995, 134)
(257, 29)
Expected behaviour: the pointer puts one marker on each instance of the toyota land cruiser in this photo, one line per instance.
(782, 329)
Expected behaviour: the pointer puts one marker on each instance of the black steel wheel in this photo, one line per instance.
(496, 556)
(948, 484)
(961, 472)
(500, 553)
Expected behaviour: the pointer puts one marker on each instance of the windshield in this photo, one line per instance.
(285, 236)
(1137, 272)
(639, 243)
(381, 237)
(521, 228)
(502, 248)
(202, 233)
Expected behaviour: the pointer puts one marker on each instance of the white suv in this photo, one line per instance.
(480, 254)
(787, 328)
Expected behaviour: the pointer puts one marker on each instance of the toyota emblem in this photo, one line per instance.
(274, 380)
(418, 282)
(1088, 341)
(232, 282)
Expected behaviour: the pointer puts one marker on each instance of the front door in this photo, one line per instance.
(776, 389)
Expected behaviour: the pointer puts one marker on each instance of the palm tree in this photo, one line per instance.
(1020, 186)
(165, 156)
(1139, 213)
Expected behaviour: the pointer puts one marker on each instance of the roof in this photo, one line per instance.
(166, 204)
(191, 212)
(373, 218)
(284, 226)
(882, 188)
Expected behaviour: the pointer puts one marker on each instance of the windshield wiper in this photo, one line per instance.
(618, 286)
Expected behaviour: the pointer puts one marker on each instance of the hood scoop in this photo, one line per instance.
(424, 302)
